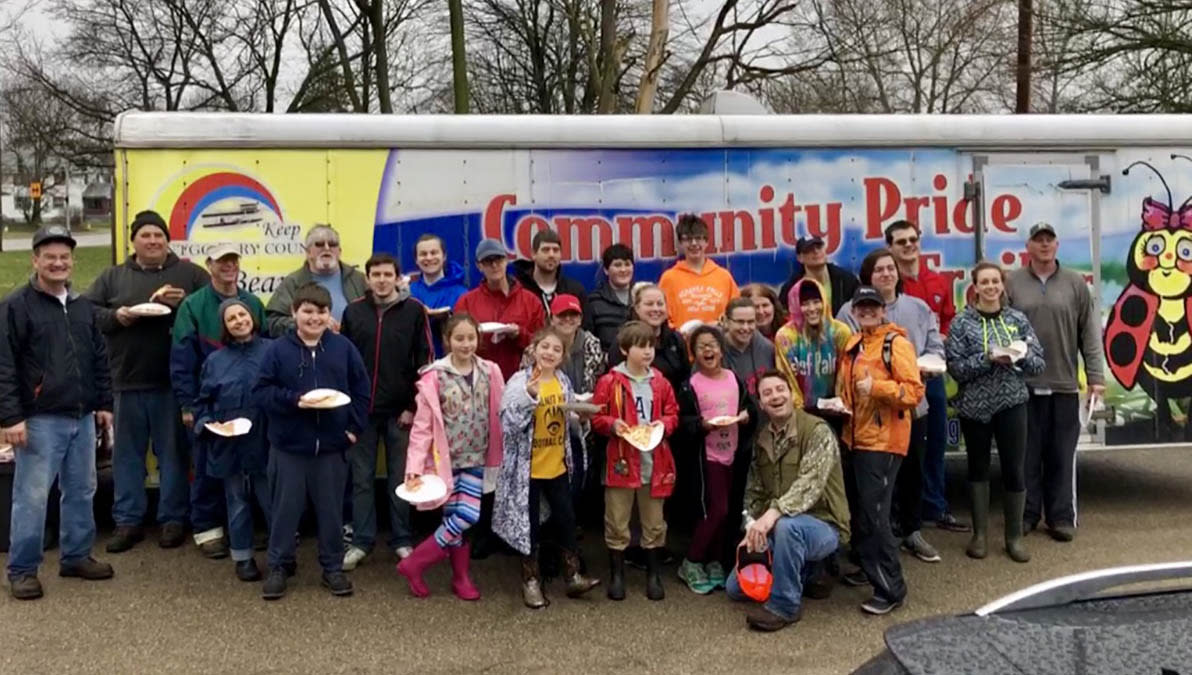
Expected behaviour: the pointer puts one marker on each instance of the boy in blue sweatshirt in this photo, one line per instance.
(307, 442)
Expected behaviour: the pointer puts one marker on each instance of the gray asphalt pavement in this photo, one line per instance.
(14, 242)
(172, 611)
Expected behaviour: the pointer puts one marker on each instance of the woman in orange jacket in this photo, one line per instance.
(878, 380)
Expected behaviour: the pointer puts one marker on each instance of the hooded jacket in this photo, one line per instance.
(934, 289)
(987, 388)
(394, 342)
(810, 363)
(614, 395)
(702, 295)
(523, 270)
(279, 312)
(140, 352)
(443, 293)
(198, 330)
(428, 451)
(916, 319)
(842, 284)
(881, 421)
(604, 314)
(691, 423)
(289, 369)
(511, 505)
(519, 307)
(225, 393)
(53, 360)
(670, 357)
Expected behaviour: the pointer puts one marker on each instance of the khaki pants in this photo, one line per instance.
(618, 507)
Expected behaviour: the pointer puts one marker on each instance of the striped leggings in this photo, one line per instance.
(462, 509)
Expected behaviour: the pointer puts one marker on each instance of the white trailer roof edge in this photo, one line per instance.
(263, 130)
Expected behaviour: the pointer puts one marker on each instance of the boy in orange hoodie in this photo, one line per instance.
(878, 380)
(696, 287)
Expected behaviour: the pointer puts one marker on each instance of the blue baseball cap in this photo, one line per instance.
(491, 248)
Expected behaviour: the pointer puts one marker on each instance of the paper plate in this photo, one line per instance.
(338, 398)
(585, 398)
(584, 407)
(438, 310)
(240, 426)
(655, 438)
(431, 488)
(690, 326)
(932, 363)
(723, 421)
(833, 405)
(150, 309)
(495, 327)
(1088, 405)
(1016, 350)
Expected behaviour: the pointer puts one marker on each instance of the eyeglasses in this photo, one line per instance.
(907, 241)
(324, 244)
(694, 238)
(709, 347)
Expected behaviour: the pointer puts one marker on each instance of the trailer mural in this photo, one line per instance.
(758, 202)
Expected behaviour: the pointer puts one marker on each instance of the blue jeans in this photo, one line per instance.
(207, 497)
(364, 469)
(62, 446)
(141, 417)
(797, 542)
(239, 491)
(935, 496)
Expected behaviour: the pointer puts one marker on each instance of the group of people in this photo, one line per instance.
(805, 419)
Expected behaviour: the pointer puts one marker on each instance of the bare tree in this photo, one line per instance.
(34, 124)
(655, 54)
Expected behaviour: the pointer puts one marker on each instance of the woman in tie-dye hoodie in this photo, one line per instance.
(808, 344)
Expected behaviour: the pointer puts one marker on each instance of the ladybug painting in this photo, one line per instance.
(1148, 339)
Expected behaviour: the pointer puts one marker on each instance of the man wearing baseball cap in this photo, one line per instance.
(839, 283)
(501, 300)
(53, 377)
(139, 352)
(1065, 317)
(197, 330)
(796, 503)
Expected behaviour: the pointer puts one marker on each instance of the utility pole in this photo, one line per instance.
(1022, 103)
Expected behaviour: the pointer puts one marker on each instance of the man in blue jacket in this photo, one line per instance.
(308, 439)
(53, 376)
(439, 286)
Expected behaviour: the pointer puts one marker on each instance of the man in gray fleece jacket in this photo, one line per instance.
(1064, 315)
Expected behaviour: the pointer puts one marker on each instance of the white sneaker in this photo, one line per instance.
(354, 557)
(403, 552)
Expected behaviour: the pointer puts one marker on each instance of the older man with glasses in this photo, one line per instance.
(344, 282)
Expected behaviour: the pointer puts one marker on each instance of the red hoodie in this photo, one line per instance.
(936, 290)
(519, 307)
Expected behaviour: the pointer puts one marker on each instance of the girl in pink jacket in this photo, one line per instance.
(456, 434)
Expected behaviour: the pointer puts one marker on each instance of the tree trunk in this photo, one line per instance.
(376, 16)
(608, 56)
(1023, 100)
(659, 24)
(459, 57)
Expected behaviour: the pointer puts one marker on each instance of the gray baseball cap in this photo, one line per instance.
(49, 233)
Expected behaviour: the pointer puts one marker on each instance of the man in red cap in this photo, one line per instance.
(795, 502)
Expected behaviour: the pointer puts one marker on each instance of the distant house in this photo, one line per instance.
(97, 200)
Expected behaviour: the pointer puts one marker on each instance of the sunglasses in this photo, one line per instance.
(906, 241)
(324, 244)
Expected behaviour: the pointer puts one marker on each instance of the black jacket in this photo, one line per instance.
(842, 282)
(670, 357)
(692, 427)
(394, 343)
(604, 314)
(523, 271)
(52, 358)
(140, 353)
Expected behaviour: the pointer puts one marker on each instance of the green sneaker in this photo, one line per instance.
(693, 574)
(715, 574)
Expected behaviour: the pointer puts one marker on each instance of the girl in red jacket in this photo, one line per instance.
(634, 394)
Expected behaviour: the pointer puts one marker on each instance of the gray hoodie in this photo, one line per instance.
(751, 362)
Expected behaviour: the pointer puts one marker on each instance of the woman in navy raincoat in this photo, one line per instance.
(225, 394)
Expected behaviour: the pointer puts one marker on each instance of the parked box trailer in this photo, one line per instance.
(973, 184)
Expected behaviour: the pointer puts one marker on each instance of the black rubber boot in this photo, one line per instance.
(1015, 547)
(654, 590)
(616, 579)
(978, 546)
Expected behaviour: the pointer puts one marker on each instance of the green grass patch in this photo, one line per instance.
(15, 267)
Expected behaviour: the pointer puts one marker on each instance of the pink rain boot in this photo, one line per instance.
(426, 554)
(461, 583)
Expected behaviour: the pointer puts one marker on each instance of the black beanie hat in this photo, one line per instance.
(148, 218)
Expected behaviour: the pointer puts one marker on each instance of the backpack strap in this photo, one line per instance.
(888, 351)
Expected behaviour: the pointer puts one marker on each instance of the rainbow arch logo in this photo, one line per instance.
(220, 204)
